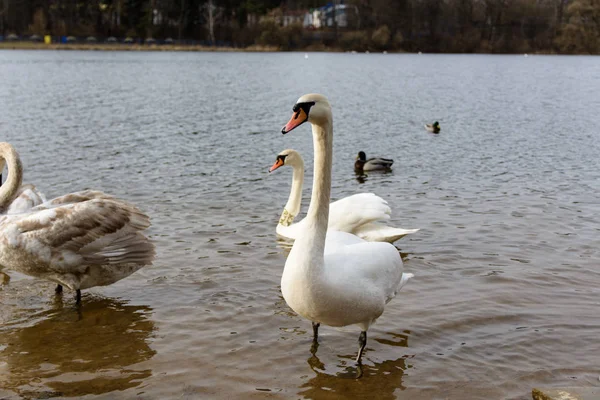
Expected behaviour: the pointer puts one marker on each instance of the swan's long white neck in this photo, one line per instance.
(15, 175)
(292, 207)
(318, 211)
(312, 243)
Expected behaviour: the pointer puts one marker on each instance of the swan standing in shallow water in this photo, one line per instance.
(357, 214)
(340, 280)
(79, 240)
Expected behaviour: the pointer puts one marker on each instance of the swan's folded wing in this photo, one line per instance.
(27, 197)
(377, 266)
(76, 197)
(93, 232)
(336, 240)
(351, 212)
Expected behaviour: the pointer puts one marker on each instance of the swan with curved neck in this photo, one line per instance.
(285, 226)
(8, 190)
(79, 240)
(348, 283)
(359, 214)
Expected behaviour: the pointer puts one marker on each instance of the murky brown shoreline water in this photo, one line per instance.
(505, 296)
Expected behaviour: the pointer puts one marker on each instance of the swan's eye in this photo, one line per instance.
(305, 106)
(279, 162)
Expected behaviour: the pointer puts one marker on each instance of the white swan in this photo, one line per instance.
(79, 240)
(358, 214)
(345, 281)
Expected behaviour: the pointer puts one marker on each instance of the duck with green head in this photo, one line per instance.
(372, 164)
(434, 128)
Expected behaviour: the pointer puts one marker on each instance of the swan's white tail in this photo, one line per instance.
(406, 276)
(375, 232)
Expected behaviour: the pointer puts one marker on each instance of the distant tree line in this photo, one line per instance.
(465, 26)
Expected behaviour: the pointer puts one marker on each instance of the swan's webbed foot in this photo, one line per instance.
(362, 341)
(59, 289)
(78, 297)
(316, 330)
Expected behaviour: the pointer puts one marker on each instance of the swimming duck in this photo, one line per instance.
(372, 164)
(433, 128)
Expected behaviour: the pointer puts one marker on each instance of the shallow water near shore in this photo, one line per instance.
(506, 289)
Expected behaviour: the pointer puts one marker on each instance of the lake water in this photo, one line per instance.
(507, 277)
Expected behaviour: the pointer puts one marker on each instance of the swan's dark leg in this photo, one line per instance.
(315, 341)
(78, 296)
(58, 289)
(314, 347)
(362, 341)
(316, 330)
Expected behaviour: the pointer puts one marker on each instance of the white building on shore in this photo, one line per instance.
(322, 17)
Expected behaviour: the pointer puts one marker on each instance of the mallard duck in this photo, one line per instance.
(372, 164)
(433, 128)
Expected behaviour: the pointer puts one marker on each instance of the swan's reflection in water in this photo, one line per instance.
(70, 353)
(371, 380)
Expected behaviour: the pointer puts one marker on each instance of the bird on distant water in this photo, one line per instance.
(433, 128)
(372, 164)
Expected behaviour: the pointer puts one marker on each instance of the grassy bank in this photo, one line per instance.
(127, 47)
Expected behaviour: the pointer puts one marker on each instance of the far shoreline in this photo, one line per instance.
(26, 45)
(22, 45)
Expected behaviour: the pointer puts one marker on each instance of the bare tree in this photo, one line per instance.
(4, 5)
(212, 13)
(183, 11)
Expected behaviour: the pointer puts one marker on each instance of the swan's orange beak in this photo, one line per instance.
(278, 163)
(297, 119)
